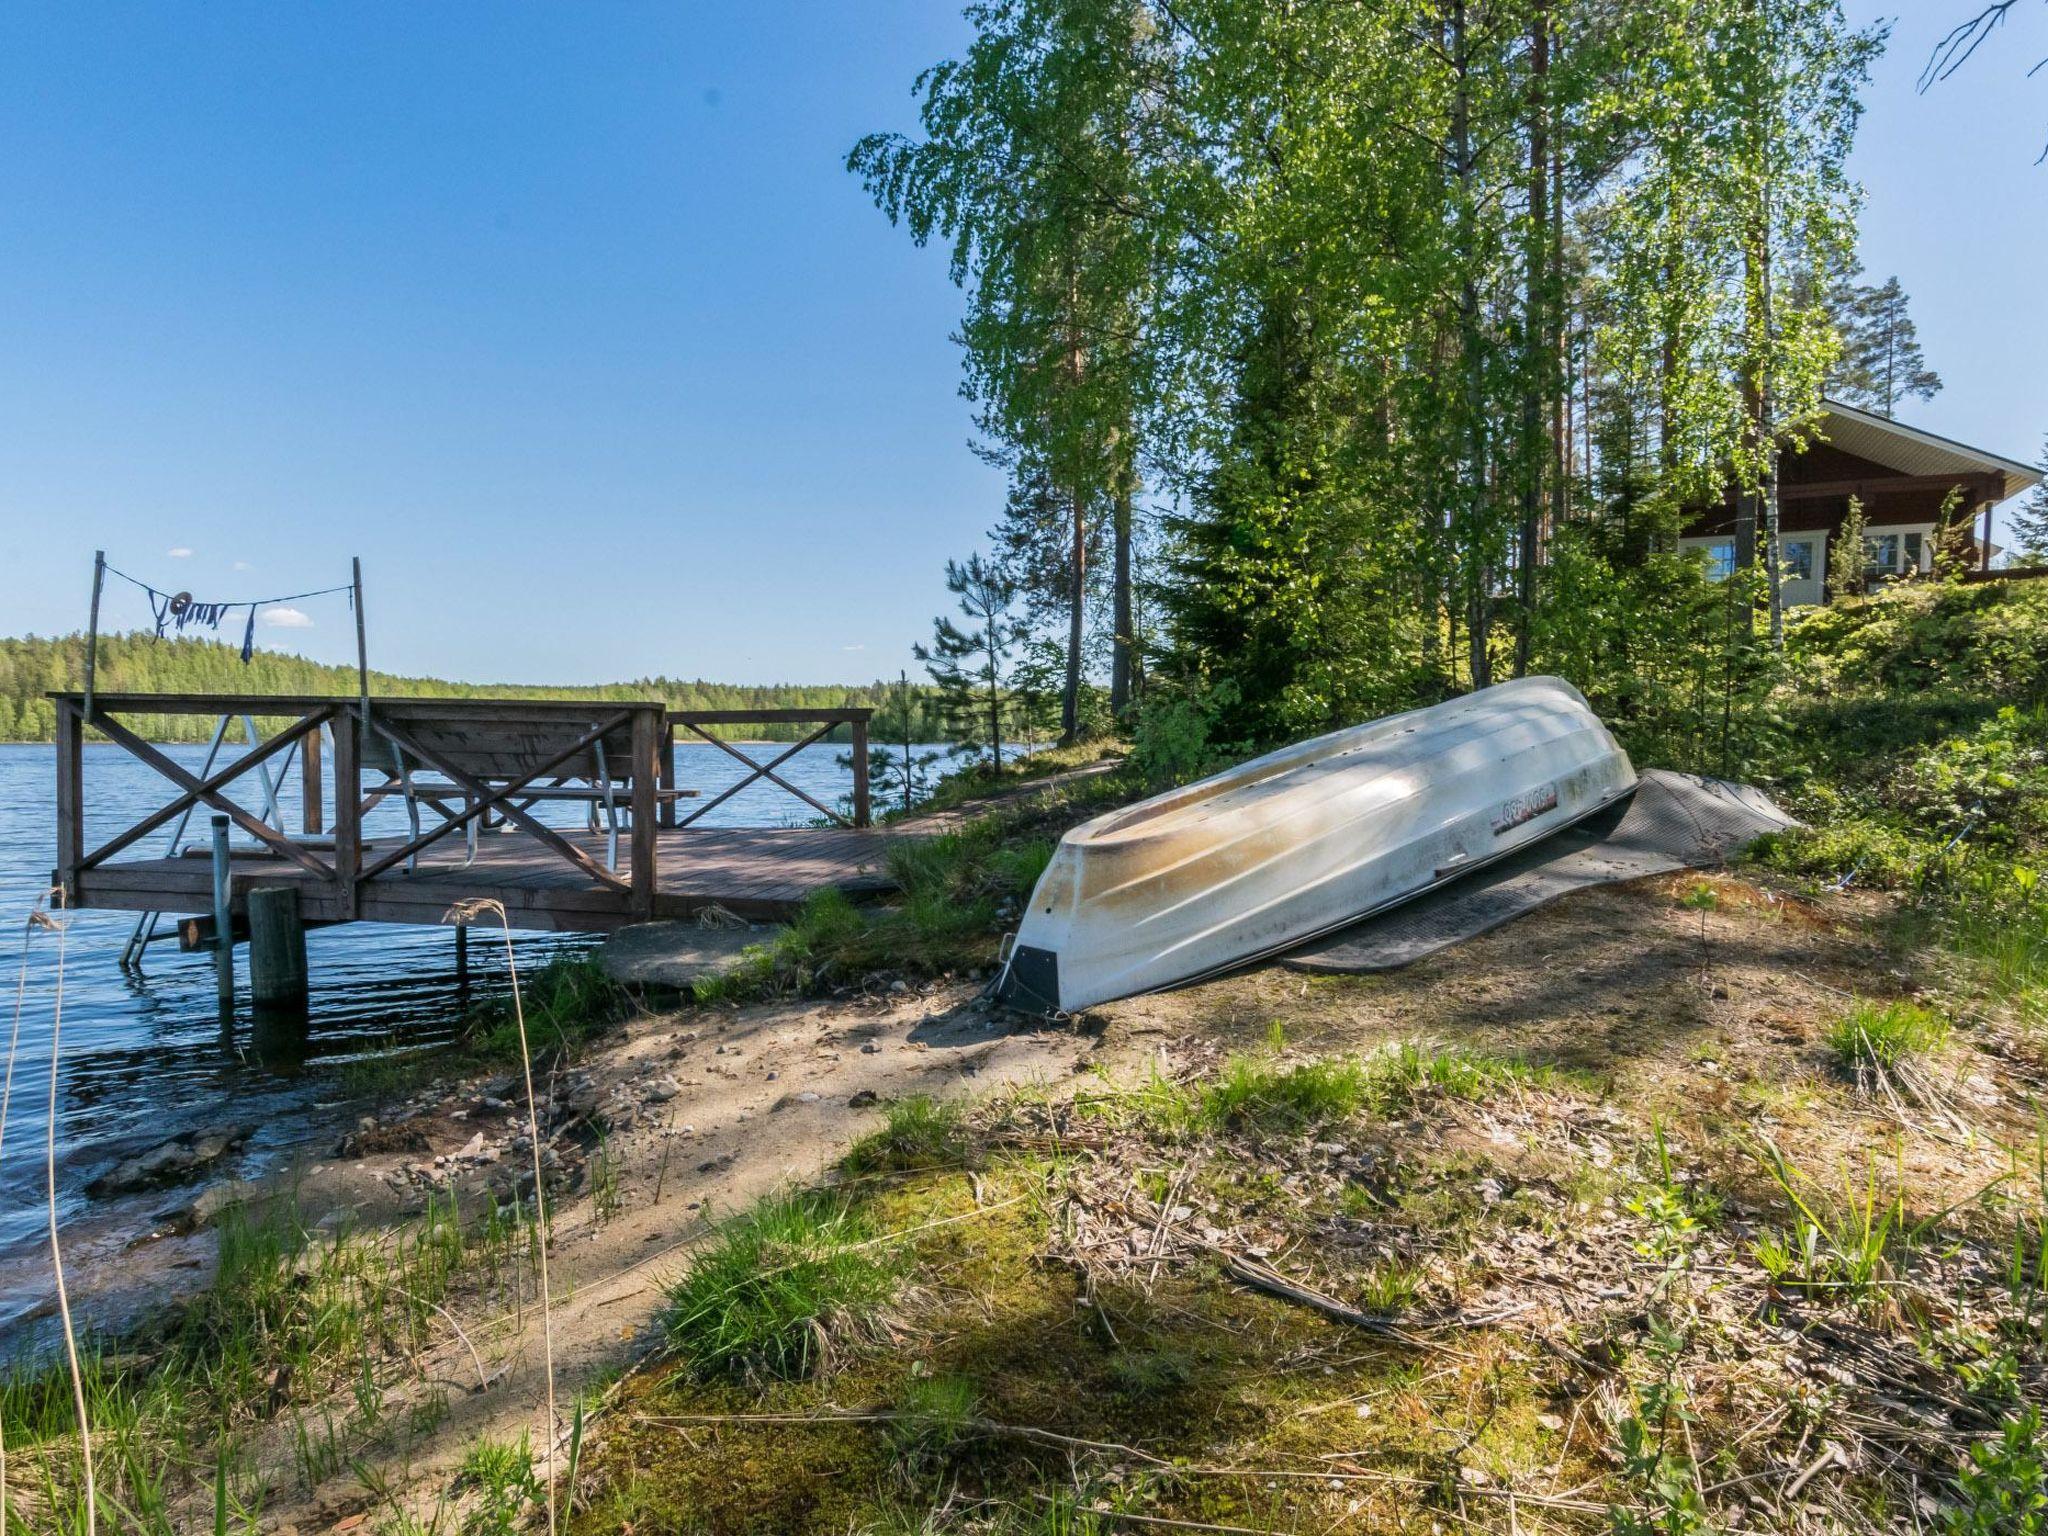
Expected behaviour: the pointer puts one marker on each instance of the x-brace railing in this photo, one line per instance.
(761, 771)
(482, 797)
(207, 791)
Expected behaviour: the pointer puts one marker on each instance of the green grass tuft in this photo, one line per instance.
(919, 1133)
(766, 1298)
(1257, 1091)
(1886, 1035)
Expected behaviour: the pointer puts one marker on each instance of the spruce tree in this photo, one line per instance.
(2030, 521)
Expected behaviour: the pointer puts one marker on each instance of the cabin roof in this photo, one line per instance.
(1913, 451)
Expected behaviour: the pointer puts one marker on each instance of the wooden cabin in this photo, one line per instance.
(1901, 474)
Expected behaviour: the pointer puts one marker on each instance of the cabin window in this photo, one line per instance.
(1896, 551)
(1720, 555)
(1797, 558)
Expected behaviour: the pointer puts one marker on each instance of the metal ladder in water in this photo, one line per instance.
(146, 932)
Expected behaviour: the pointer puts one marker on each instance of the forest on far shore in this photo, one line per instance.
(35, 666)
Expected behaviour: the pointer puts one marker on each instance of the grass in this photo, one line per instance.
(504, 1488)
(569, 999)
(1886, 1035)
(957, 789)
(298, 1325)
(958, 890)
(1263, 1091)
(765, 1300)
(918, 1133)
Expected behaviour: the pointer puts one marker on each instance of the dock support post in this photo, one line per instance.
(462, 957)
(277, 949)
(223, 916)
(863, 815)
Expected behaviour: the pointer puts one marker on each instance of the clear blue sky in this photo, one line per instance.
(567, 319)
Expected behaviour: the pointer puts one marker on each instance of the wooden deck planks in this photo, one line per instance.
(755, 872)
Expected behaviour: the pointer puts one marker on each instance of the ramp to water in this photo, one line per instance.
(1673, 821)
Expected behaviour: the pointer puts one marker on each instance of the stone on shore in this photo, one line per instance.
(669, 956)
(176, 1161)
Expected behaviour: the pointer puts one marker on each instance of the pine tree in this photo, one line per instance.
(1881, 363)
(971, 666)
(2030, 521)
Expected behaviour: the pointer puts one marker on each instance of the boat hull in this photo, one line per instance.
(1295, 844)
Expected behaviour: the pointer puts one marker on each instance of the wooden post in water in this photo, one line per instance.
(223, 917)
(462, 958)
(277, 949)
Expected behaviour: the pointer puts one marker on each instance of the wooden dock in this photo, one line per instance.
(469, 774)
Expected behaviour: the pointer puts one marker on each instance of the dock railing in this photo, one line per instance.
(495, 753)
(492, 759)
(827, 721)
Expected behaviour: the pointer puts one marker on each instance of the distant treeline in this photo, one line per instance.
(140, 663)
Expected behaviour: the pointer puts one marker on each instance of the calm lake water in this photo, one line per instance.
(144, 1057)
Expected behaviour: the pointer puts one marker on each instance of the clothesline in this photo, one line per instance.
(167, 607)
(259, 602)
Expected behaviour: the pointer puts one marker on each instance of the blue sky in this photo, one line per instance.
(567, 319)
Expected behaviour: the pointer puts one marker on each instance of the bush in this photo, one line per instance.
(1173, 740)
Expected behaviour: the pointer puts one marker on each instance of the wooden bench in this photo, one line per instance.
(476, 771)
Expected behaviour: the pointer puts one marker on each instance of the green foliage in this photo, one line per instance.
(1885, 1035)
(1927, 640)
(776, 1284)
(1174, 741)
(294, 1317)
(2004, 1489)
(970, 667)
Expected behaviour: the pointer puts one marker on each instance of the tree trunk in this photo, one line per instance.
(1473, 552)
(1766, 423)
(1538, 366)
(1123, 664)
(1070, 694)
(1560, 360)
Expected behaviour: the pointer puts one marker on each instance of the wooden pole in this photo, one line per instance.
(646, 751)
(70, 798)
(310, 811)
(462, 957)
(668, 769)
(92, 627)
(223, 917)
(348, 813)
(277, 948)
(861, 808)
(362, 646)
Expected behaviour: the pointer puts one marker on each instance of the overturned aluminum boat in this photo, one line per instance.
(1302, 841)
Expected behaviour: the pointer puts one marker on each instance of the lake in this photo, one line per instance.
(145, 1057)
